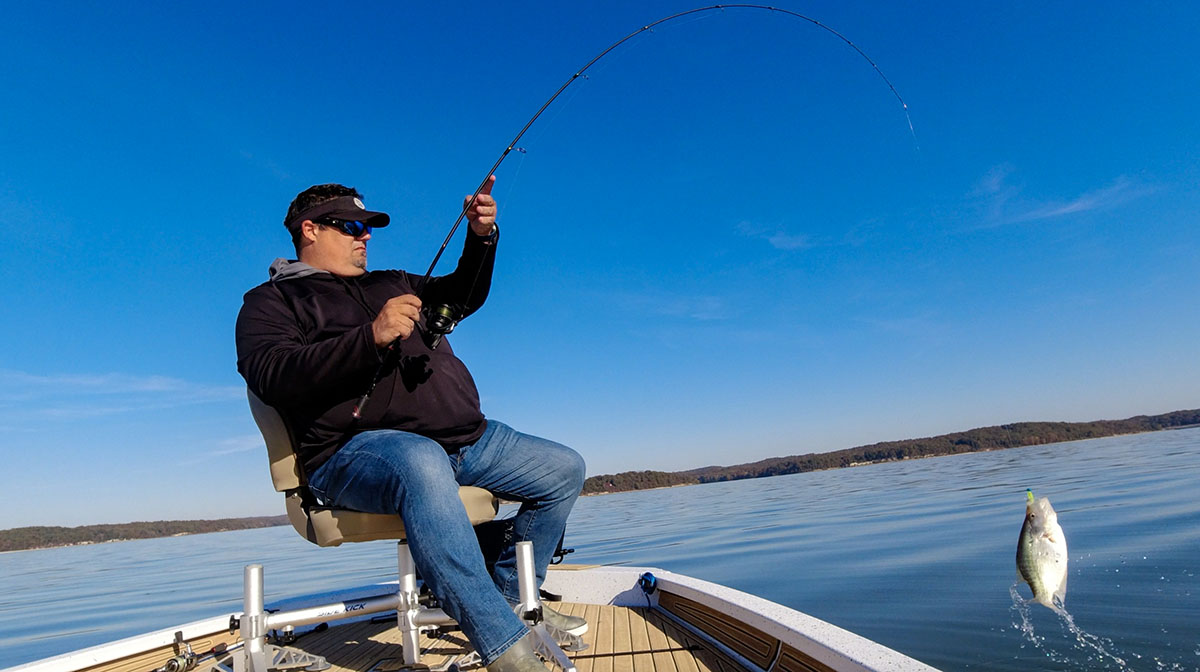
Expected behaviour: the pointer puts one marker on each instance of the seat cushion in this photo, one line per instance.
(329, 526)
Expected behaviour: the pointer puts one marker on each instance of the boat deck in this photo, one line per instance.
(619, 639)
(693, 626)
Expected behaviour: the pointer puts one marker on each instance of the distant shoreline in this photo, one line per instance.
(867, 464)
(46, 537)
(984, 439)
(999, 437)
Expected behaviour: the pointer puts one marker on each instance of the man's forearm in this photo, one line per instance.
(470, 281)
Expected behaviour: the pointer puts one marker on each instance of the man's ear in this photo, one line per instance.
(308, 230)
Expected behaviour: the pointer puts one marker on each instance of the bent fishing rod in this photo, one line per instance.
(441, 320)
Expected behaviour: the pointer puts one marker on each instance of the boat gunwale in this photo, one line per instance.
(109, 652)
(830, 645)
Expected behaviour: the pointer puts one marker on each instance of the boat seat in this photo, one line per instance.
(332, 526)
(328, 525)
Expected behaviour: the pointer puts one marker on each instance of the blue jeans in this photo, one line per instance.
(389, 471)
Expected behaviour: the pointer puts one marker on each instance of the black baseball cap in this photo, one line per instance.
(349, 208)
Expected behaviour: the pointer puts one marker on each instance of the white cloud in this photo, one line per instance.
(923, 330)
(239, 444)
(995, 182)
(776, 237)
(1122, 190)
(230, 446)
(703, 308)
(784, 241)
(86, 395)
(1001, 202)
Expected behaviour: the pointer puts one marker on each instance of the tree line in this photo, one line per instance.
(24, 538)
(975, 440)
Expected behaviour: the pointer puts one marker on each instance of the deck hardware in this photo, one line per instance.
(184, 658)
(178, 664)
(257, 654)
(648, 583)
(285, 635)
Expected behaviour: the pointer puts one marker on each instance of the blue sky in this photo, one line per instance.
(723, 245)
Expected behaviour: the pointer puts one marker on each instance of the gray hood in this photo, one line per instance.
(290, 269)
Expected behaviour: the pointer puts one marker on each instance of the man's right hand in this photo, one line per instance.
(398, 319)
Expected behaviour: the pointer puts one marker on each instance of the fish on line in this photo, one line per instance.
(1042, 553)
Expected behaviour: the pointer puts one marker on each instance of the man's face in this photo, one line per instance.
(335, 250)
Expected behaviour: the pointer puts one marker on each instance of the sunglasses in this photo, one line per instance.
(350, 227)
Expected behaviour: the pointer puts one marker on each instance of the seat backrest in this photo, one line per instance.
(285, 468)
(329, 525)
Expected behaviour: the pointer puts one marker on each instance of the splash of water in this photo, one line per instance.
(1097, 652)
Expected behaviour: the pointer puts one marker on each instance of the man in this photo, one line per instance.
(323, 331)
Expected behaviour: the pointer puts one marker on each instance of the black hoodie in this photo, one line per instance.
(305, 346)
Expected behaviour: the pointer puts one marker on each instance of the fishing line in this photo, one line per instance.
(690, 12)
(540, 133)
(512, 184)
(446, 316)
(597, 73)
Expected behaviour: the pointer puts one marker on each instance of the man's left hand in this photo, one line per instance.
(482, 214)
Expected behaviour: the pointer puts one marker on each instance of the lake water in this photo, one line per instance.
(918, 555)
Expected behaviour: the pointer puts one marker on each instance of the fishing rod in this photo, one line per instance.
(442, 319)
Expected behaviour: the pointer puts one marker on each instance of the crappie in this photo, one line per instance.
(1042, 553)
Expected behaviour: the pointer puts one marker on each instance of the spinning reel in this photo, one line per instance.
(439, 321)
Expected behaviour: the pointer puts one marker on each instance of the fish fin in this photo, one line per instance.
(1058, 601)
